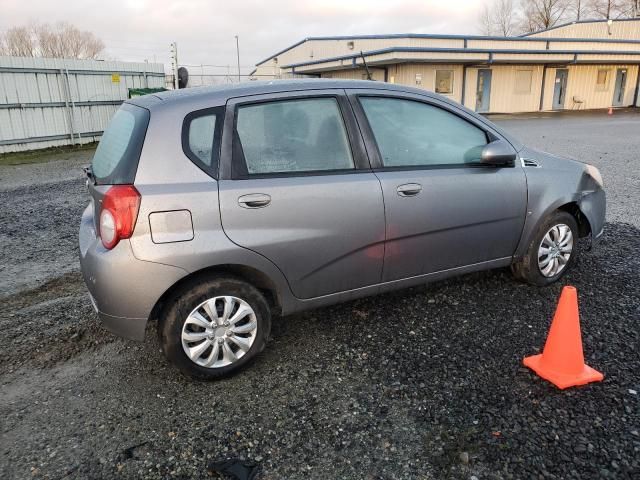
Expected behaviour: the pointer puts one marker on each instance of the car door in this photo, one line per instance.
(296, 187)
(444, 209)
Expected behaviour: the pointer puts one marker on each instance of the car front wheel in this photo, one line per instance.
(552, 251)
(214, 328)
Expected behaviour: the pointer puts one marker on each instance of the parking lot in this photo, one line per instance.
(425, 383)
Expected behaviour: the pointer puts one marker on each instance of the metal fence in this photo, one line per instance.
(49, 102)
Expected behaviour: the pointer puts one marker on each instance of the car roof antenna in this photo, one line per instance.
(366, 67)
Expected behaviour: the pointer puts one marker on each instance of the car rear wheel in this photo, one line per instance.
(214, 328)
(552, 251)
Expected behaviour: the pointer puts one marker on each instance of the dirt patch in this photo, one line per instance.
(49, 324)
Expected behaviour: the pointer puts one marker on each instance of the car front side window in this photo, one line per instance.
(293, 136)
(411, 133)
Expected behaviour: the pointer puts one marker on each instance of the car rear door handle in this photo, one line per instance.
(409, 189)
(254, 200)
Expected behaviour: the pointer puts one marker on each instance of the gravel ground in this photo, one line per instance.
(425, 383)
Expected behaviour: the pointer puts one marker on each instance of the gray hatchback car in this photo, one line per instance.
(214, 209)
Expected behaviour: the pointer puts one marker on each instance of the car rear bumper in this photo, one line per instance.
(123, 289)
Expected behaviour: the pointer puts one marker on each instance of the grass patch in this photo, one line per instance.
(45, 154)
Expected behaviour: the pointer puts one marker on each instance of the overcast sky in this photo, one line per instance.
(135, 30)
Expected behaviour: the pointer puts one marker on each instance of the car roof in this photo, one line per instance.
(223, 92)
(191, 99)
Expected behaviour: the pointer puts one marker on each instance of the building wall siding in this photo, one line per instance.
(504, 56)
(405, 74)
(377, 74)
(581, 82)
(504, 98)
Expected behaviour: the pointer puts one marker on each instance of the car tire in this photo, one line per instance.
(183, 327)
(555, 230)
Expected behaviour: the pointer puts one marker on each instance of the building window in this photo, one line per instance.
(523, 81)
(602, 80)
(444, 82)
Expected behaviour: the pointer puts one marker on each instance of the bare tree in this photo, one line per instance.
(499, 18)
(486, 21)
(61, 41)
(614, 8)
(19, 42)
(579, 9)
(505, 17)
(542, 14)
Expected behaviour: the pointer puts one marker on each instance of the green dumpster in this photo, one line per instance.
(138, 92)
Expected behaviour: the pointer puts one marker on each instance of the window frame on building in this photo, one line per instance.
(604, 86)
(451, 77)
(518, 83)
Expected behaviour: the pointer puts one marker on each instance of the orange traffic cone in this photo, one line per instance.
(610, 110)
(562, 360)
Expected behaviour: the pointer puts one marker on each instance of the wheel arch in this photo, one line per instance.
(251, 275)
(569, 205)
(572, 208)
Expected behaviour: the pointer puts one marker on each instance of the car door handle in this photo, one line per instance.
(254, 200)
(409, 189)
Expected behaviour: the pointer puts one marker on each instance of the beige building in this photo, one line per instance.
(582, 65)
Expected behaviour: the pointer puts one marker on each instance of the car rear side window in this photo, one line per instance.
(201, 138)
(116, 159)
(411, 133)
(293, 136)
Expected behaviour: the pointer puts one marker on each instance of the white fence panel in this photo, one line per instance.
(47, 102)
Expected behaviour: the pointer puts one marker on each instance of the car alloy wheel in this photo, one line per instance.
(219, 331)
(555, 250)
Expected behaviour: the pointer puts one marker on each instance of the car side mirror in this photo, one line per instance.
(498, 153)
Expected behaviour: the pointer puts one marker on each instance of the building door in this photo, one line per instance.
(621, 81)
(560, 89)
(483, 92)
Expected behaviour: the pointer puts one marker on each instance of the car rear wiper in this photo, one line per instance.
(88, 171)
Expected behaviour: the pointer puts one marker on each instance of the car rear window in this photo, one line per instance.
(116, 159)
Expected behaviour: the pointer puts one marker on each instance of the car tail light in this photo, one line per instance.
(118, 215)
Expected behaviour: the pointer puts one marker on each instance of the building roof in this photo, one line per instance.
(396, 56)
(579, 22)
(523, 38)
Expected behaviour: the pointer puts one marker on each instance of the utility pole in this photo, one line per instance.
(173, 55)
(238, 55)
